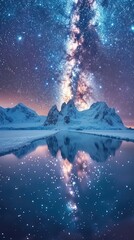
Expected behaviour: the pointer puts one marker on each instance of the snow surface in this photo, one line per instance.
(23, 126)
(14, 139)
(127, 135)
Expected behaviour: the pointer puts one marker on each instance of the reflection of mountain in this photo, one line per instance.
(99, 148)
(26, 149)
(23, 151)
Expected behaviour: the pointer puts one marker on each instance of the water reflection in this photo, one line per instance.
(69, 144)
(77, 152)
(26, 149)
(80, 187)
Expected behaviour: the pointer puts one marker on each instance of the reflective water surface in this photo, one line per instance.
(70, 186)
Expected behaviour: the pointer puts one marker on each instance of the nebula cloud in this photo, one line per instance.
(77, 80)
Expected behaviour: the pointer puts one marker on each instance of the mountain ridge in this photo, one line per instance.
(98, 116)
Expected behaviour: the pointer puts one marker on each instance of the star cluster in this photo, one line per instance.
(52, 51)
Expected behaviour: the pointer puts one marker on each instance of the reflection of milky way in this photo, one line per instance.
(81, 170)
(75, 154)
(82, 45)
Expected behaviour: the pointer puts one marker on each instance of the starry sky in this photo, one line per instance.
(51, 51)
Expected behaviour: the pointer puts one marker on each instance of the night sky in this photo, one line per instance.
(54, 50)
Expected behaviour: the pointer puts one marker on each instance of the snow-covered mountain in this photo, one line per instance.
(52, 117)
(18, 114)
(98, 116)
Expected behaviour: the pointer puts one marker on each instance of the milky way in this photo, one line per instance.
(82, 47)
(52, 51)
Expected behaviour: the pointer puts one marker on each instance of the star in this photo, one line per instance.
(132, 28)
(19, 38)
(39, 35)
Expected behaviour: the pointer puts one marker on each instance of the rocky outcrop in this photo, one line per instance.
(52, 117)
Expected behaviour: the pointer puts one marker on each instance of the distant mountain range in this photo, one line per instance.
(18, 114)
(98, 116)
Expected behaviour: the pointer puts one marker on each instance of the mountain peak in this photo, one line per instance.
(18, 107)
(102, 112)
(99, 105)
(18, 114)
(68, 109)
(63, 106)
(21, 105)
(71, 102)
(52, 117)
